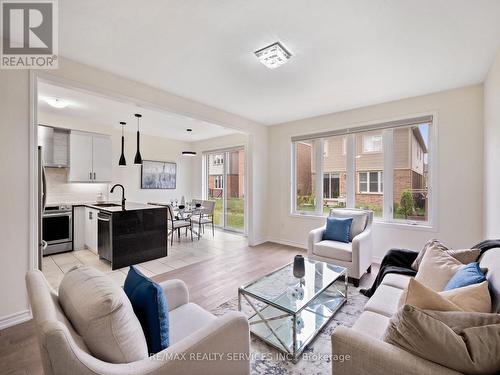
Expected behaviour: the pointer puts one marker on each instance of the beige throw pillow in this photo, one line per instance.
(465, 256)
(471, 298)
(102, 314)
(472, 350)
(437, 268)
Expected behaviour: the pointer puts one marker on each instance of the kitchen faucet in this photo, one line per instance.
(123, 193)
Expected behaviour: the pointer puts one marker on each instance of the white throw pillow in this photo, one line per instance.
(437, 268)
(101, 313)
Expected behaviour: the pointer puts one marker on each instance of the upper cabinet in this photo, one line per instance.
(90, 157)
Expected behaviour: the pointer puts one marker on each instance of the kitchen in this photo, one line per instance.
(81, 148)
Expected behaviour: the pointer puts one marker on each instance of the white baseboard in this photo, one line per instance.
(288, 243)
(13, 319)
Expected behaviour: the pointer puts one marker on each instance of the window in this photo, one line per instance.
(385, 169)
(218, 182)
(305, 176)
(331, 185)
(218, 159)
(372, 143)
(370, 182)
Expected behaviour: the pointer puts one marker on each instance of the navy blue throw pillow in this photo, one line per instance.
(150, 307)
(337, 229)
(467, 275)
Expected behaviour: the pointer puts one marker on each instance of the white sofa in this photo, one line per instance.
(356, 255)
(192, 330)
(369, 354)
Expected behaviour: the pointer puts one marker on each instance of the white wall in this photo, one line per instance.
(152, 148)
(14, 194)
(492, 151)
(459, 177)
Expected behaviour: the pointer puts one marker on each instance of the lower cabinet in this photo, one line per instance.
(91, 229)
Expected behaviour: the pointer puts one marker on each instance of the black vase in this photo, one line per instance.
(299, 268)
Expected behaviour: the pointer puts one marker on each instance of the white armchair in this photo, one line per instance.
(196, 336)
(356, 255)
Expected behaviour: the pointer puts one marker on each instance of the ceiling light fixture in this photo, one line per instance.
(56, 103)
(122, 156)
(189, 153)
(138, 157)
(273, 55)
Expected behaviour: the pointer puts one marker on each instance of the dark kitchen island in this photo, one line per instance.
(131, 234)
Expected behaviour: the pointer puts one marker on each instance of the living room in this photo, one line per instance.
(358, 94)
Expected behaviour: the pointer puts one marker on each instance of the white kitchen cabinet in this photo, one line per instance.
(90, 157)
(80, 157)
(78, 228)
(102, 158)
(91, 229)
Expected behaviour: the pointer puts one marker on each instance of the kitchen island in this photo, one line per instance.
(130, 234)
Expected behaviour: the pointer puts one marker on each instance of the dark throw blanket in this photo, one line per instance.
(399, 261)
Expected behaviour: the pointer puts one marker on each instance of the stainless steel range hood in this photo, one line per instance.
(55, 146)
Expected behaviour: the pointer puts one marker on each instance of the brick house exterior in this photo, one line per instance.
(235, 180)
(409, 167)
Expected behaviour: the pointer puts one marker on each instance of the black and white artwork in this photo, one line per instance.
(158, 175)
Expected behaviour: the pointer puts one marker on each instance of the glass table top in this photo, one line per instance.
(281, 289)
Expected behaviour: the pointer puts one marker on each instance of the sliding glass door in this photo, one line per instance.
(225, 171)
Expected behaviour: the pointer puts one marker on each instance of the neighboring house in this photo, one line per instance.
(235, 183)
(409, 168)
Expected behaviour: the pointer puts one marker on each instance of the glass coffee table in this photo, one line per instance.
(288, 313)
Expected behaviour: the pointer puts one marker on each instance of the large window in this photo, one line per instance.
(383, 168)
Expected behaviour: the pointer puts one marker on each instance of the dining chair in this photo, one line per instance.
(174, 225)
(205, 216)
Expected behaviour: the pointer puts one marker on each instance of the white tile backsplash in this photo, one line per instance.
(59, 190)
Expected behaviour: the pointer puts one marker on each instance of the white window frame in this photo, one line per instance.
(373, 150)
(380, 183)
(351, 187)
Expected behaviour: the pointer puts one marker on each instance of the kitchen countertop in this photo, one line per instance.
(129, 206)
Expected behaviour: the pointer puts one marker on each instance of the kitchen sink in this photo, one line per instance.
(106, 205)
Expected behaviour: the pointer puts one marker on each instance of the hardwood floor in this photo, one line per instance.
(211, 282)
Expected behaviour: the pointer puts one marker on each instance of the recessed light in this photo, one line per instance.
(56, 103)
(273, 55)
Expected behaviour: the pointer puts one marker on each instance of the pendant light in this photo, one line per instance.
(189, 153)
(122, 156)
(138, 157)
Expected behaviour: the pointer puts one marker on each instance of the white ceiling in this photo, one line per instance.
(347, 53)
(104, 111)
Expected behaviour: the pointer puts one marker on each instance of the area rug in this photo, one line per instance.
(316, 359)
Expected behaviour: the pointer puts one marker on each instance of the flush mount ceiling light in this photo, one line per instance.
(56, 103)
(189, 153)
(273, 55)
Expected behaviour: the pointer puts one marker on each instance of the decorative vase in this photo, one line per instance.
(299, 269)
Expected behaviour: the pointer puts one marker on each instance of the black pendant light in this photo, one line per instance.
(189, 153)
(138, 157)
(122, 156)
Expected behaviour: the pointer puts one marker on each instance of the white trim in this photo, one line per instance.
(299, 245)
(33, 172)
(379, 182)
(14, 319)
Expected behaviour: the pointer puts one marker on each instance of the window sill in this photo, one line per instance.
(376, 222)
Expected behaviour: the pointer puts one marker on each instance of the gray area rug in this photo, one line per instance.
(266, 360)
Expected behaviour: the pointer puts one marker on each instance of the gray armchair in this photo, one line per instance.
(356, 255)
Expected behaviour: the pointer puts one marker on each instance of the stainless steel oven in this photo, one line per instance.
(57, 229)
